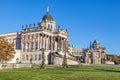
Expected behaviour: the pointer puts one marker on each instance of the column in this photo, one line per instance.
(30, 46)
(66, 44)
(61, 44)
(45, 42)
(58, 44)
(34, 46)
(22, 45)
(48, 44)
(38, 41)
(25, 46)
(51, 43)
(54, 43)
(42, 38)
(52, 40)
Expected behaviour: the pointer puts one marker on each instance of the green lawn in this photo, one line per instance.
(71, 73)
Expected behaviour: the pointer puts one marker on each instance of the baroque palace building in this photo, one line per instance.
(30, 42)
(95, 54)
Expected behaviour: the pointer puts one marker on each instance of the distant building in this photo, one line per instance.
(30, 42)
(95, 54)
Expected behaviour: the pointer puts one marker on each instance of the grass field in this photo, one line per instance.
(71, 73)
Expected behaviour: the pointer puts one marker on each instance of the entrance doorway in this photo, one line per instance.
(51, 58)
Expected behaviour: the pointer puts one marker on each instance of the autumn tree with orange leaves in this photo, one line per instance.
(6, 50)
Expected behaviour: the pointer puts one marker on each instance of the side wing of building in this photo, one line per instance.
(16, 39)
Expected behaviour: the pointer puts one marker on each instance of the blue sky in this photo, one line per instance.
(85, 20)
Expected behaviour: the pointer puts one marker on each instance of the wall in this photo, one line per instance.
(16, 55)
(58, 61)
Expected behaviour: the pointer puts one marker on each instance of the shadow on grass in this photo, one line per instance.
(118, 71)
(88, 70)
(76, 69)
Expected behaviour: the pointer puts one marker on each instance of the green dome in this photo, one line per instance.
(96, 42)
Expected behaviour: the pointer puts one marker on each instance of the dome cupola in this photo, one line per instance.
(96, 42)
(47, 21)
(47, 16)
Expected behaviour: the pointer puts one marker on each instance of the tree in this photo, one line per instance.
(113, 58)
(6, 50)
(64, 64)
(42, 66)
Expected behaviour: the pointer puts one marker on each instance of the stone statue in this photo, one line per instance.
(47, 10)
